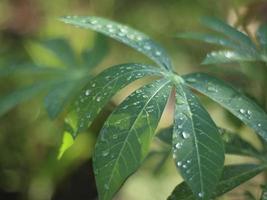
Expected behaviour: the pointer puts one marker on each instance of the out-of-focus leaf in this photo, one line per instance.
(234, 144)
(165, 135)
(197, 145)
(23, 94)
(62, 49)
(58, 97)
(211, 39)
(233, 176)
(67, 141)
(217, 57)
(262, 37)
(249, 196)
(92, 57)
(232, 33)
(238, 104)
(100, 89)
(125, 138)
(124, 34)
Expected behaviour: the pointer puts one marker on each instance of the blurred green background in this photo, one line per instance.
(30, 141)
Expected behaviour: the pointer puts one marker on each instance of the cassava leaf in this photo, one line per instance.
(165, 135)
(62, 49)
(208, 38)
(124, 34)
(238, 104)
(197, 146)
(59, 96)
(100, 89)
(232, 33)
(233, 176)
(125, 138)
(217, 57)
(20, 95)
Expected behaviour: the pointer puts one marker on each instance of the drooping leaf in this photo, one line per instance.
(100, 89)
(20, 95)
(62, 49)
(238, 104)
(124, 34)
(197, 146)
(217, 57)
(208, 38)
(232, 33)
(126, 136)
(92, 57)
(233, 176)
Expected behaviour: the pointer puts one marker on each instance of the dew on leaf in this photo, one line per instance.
(105, 153)
(98, 99)
(179, 163)
(242, 111)
(87, 92)
(201, 194)
(185, 135)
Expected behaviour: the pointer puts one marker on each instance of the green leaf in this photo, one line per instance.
(59, 96)
(233, 176)
(125, 138)
(211, 39)
(232, 33)
(197, 146)
(62, 49)
(92, 57)
(23, 94)
(100, 89)
(124, 34)
(217, 57)
(238, 104)
(262, 37)
(236, 145)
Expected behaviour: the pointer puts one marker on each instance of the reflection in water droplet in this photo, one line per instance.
(191, 80)
(179, 163)
(259, 125)
(201, 194)
(242, 111)
(98, 99)
(105, 153)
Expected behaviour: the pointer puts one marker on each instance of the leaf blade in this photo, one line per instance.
(197, 146)
(124, 139)
(233, 176)
(95, 94)
(124, 34)
(228, 97)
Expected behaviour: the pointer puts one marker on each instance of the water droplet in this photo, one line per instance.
(201, 194)
(185, 135)
(259, 125)
(191, 80)
(242, 111)
(105, 153)
(94, 22)
(147, 47)
(87, 92)
(184, 166)
(98, 99)
(93, 85)
(212, 89)
(158, 53)
(179, 163)
(178, 145)
(249, 112)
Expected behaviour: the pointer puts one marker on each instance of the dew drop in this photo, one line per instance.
(212, 89)
(184, 166)
(93, 85)
(98, 99)
(242, 111)
(105, 153)
(201, 194)
(178, 145)
(185, 135)
(191, 80)
(87, 92)
(158, 53)
(179, 163)
(259, 125)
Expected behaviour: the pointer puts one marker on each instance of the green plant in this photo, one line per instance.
(197, 145)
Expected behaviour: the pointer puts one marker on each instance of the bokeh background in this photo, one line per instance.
(31, 142)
